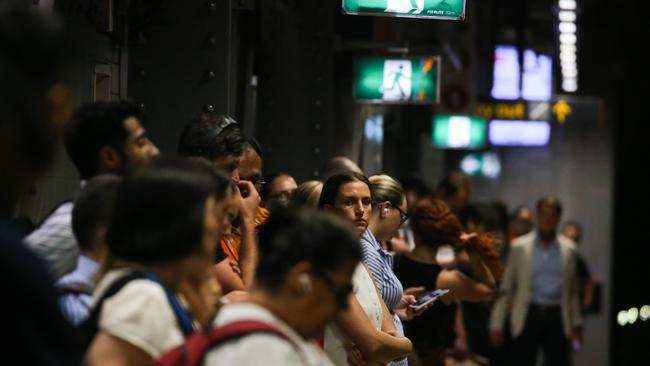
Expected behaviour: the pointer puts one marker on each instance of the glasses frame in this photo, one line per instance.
(403, 216)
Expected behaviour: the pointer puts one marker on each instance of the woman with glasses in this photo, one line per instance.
(365, 333)
(388, 215)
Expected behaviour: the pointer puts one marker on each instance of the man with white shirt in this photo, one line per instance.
(540, 285)
(302, 280)
(102, 137)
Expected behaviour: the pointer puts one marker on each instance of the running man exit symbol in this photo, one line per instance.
(397, 80)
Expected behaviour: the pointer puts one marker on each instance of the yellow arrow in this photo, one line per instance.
(561, 109)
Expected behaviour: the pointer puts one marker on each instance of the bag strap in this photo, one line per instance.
(90, 326)
(228, 332)
(183, 317)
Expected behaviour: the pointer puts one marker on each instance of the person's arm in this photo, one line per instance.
(375, 345)
(463, 288)
(248, 249)
(227, 277)
(460, 340)
(503, 298)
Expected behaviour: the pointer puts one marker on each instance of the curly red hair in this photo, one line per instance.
(434, 224)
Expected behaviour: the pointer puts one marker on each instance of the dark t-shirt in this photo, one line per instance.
(434, 328)
(36, 333)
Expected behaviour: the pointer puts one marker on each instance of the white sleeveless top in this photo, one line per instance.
(336, 342)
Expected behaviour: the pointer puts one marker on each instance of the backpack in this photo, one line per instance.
(197, 346)
(90, 326)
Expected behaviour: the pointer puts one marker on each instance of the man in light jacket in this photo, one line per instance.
(540, 288)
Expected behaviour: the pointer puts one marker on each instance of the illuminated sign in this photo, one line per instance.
(436, 9)
(537, 83)
(484, 165)
(504, 110)
(519, 133)
(458, 132)
(397, 80)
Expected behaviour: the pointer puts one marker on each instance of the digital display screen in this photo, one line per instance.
(519, 133)
(537, 82)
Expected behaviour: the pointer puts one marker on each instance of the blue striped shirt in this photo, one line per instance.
(76, 290)
(380, 264)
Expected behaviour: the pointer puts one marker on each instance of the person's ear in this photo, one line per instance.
(299, 279)
(383, 209)
(110, 160)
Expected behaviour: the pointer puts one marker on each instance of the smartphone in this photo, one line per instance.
(428, 298)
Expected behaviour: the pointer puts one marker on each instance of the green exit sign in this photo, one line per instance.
(433, 9)
(458, 131)
(414, 80)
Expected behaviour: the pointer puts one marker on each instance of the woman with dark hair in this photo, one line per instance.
(165, 222)
(365, 332)
(434, 225)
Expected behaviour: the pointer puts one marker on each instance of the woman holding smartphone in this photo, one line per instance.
(434, 225)
(365, 332)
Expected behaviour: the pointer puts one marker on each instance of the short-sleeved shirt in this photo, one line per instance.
(230, 245)
(263, 348)
(140, 313)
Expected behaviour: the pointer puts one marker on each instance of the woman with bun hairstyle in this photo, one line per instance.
(434, 225)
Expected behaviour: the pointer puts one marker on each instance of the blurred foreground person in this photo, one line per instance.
(540, 293)
(302, 282)
(90, 219)
(101, 138)
(166, 220)
(365, 333)
(33, 105)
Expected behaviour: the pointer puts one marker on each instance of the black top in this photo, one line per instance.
(434, 328)
(36, 333)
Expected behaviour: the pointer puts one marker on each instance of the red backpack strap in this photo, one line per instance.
(197, 346)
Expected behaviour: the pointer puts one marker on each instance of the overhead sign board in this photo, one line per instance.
(458, 132)
(406, 80)
(433, 9)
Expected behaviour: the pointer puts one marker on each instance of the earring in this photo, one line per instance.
(305, 282)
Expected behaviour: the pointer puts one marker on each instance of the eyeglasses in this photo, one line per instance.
(341, 293)
(403, 216)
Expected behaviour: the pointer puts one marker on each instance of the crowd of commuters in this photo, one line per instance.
(159, 250)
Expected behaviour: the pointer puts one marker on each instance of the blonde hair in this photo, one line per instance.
(307, 194)
(386, 188)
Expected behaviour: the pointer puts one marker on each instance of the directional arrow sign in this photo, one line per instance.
(435, 9)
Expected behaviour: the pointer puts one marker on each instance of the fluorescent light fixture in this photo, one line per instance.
(567, 27)
(567, 16)
(519, 133)
(567, 4)
(568, 38)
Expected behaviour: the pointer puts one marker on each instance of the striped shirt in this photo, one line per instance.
(76, 290)
(380, 264)
(54, 242)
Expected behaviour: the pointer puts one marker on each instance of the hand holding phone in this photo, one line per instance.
(428, 298)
